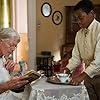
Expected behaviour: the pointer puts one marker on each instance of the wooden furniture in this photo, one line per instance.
(71, 26)
(44, 62)
(71, 29)
(97, 11)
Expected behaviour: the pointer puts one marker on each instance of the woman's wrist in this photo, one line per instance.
(3, 87)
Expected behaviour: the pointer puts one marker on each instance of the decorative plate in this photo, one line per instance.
(57, 17)
(46, 9)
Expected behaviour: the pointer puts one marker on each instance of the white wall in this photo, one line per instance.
(32, 33)
(21, 15)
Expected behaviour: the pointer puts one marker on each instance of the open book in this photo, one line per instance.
(33, 76)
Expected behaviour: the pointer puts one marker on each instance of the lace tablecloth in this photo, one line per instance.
(43, 90)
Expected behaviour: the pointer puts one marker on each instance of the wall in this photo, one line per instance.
(50, 37)
(32, 32)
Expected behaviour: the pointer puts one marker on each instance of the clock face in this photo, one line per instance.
(57, 17)
(46, 9)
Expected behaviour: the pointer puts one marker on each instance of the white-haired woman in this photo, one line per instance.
(9, 39)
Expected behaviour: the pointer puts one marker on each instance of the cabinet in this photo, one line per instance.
(71, 26)
(97, 11)
(71, 29)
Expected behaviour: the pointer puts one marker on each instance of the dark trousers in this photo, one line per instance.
(93, 87)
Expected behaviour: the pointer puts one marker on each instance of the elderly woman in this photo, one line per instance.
(9, 39)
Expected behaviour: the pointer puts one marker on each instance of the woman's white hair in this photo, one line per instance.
(7, 33)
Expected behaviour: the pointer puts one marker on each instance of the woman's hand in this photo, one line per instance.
(14, 83)
(17, 82)
(9, 65)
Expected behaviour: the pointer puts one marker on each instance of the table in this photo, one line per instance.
(43, 90)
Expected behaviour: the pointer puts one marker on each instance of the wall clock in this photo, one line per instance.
(57, 17)
(46, 9)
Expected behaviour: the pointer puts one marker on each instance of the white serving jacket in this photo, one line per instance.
(87, 48)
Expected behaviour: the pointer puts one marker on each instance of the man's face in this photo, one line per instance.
(82, 18)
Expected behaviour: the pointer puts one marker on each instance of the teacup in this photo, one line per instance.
(63, 77)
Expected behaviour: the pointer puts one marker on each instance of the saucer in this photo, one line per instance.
(55, 80)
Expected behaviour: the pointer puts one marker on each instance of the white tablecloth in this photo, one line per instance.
(43, 90)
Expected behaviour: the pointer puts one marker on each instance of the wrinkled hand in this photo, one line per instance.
(17, 82)
(78, 79)
(9, 65)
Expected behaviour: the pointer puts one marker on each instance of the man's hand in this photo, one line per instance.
(78, 79)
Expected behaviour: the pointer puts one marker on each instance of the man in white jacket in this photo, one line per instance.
(87, 49)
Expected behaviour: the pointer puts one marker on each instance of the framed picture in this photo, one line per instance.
(46, 9)
(57, 17)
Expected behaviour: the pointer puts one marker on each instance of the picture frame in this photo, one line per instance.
(46, 9)
(57, 17)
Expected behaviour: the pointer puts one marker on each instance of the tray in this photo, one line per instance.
(55, 80)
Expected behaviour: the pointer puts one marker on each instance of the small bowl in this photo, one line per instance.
(63, 77)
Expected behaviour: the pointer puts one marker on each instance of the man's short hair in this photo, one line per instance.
(85, 5)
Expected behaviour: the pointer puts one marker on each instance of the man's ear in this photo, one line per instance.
(0, 40)
(93, 13)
